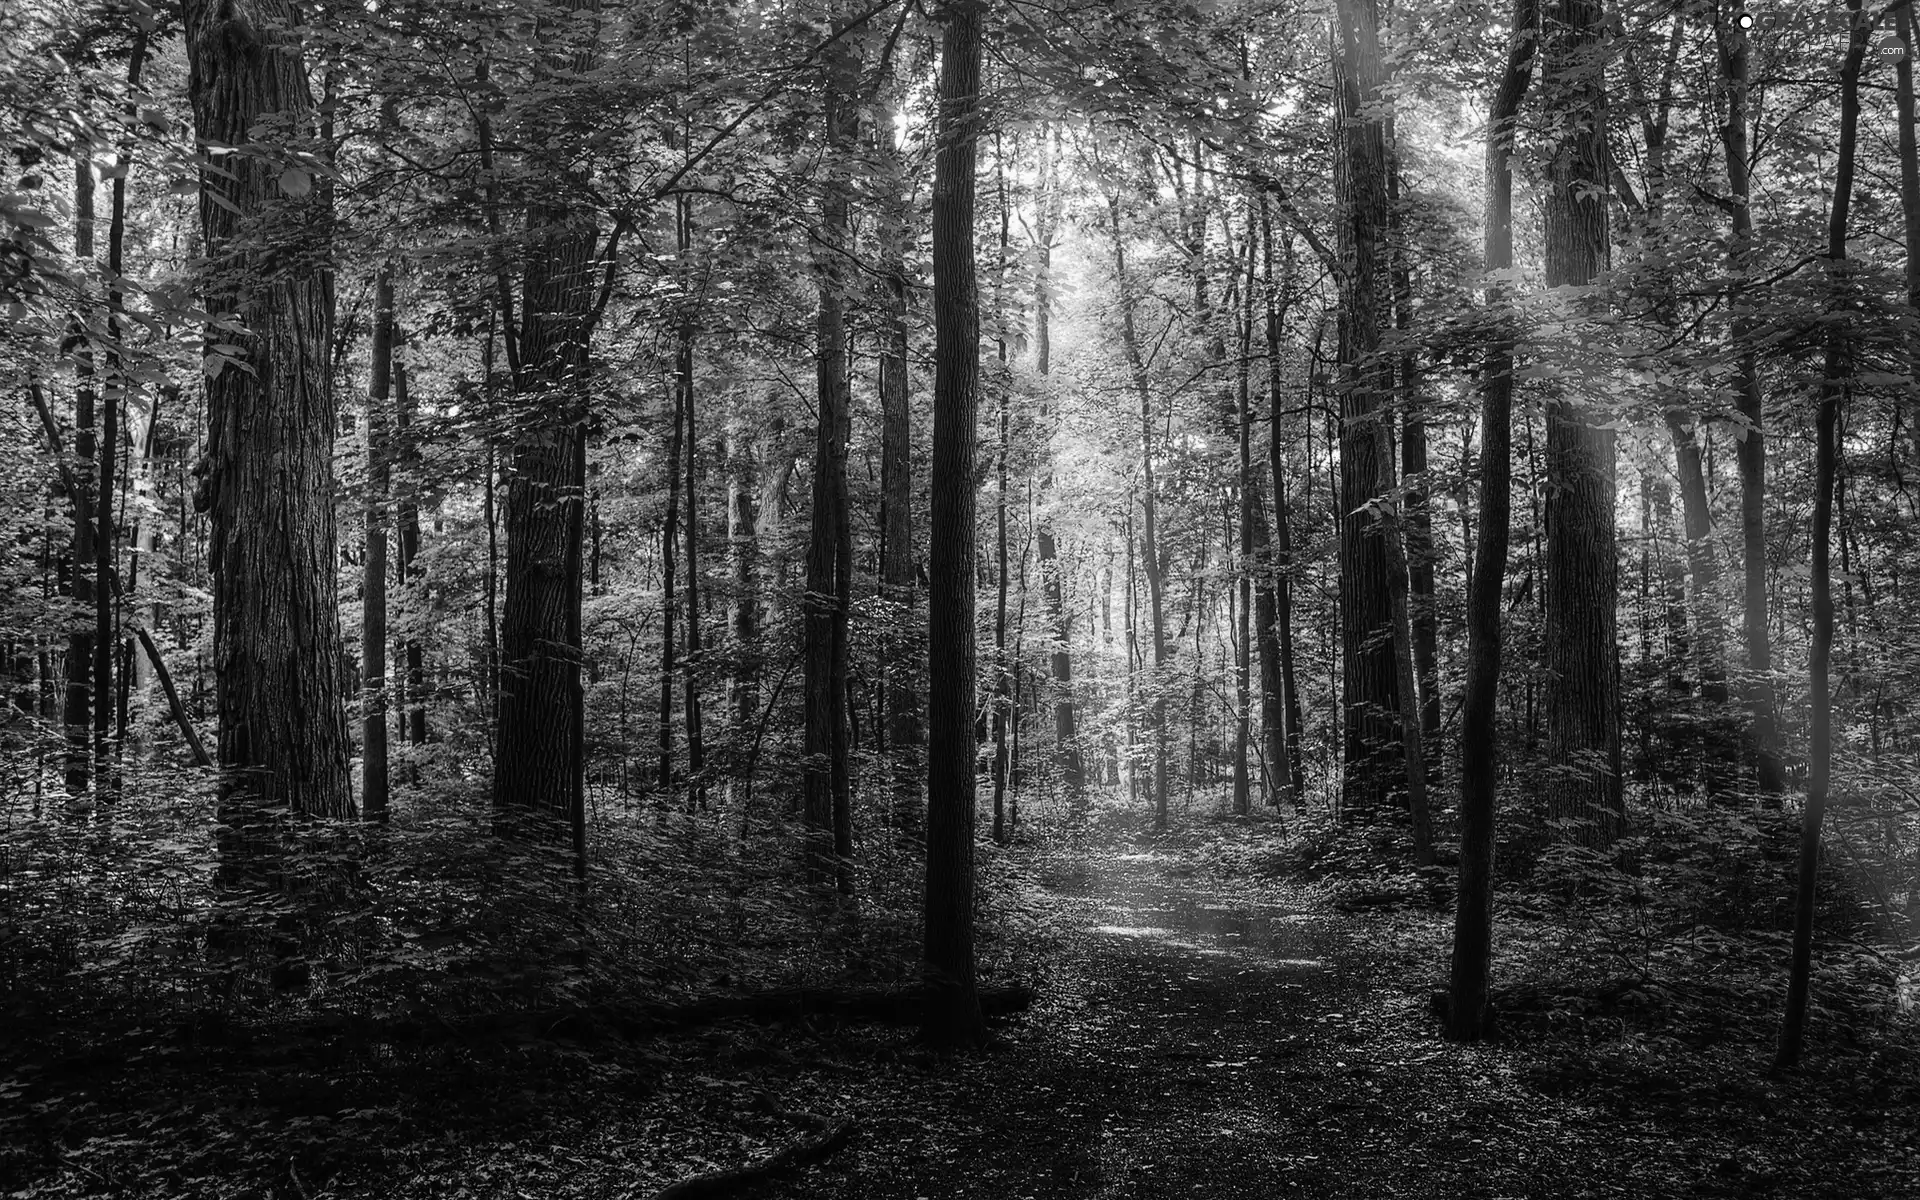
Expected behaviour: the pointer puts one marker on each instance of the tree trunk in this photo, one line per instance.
(1285, 752)
(1066, 743)
(743, 546)
(669, 593)
(88, 502)
(1371, 697)
(1467, 1015)
(1416, 527)
(267, 477)
(410, 578)
(1243, 648)
(1833, 388)
(1002, 678)
(1581, 586)
(1764, 736)
(896, 491)
(826, 799)
(953, 1007)
(1150, 529)
(690, 668)
(373, 595)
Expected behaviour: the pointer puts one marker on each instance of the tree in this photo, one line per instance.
(1581, 584)
(828, 798)
(267, 476)
(1826, 454)
(1467, 1015)
(373, 598)
(953, 1008)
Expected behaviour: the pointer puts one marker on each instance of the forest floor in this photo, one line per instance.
(1211, 1021)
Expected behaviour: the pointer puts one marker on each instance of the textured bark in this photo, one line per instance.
(669, 593)
(1826, 449)
(952, 1013)
(413, 594)
(1467, 1015)
(904, 734)
(267, 477)
(1150, 560)
(690, 699)
(1909, 140)
(1371, 697)
(373, 593)
(88, 502)
(743, 550)
(1066, 735)
(1764, 735)
(1581, 585)
(1284, 752)
(827, 803)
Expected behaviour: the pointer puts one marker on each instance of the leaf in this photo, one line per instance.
(295, 182)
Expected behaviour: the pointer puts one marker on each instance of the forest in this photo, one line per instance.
(959, 598)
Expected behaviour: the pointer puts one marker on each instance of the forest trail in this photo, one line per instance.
(1198, 1039)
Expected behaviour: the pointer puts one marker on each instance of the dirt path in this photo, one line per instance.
(1194, 1041)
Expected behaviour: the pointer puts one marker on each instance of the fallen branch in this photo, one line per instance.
(734, 1179)
(899, 1006)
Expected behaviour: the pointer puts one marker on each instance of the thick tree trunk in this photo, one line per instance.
(1833, 388)
(373, 595)
(827, 803)
(952, 1013)
(1581, 586)
(1467, 1015)
(1764, 736)
(1371, 697)
(267, 478)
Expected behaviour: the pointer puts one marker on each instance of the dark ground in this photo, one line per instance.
(1198, 1033)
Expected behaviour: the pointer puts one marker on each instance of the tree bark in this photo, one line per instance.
(1764, 735)
(1243, 648)
(267, 477)
(904, 735)
(669, 590)
(1833, 388)
(88, 503)
(952, 1014)
(1284, 748)
(414, 595)
(1066, 744)
(1150, 529)
(1371, 697)
(373, 594)
(1581, 586)
(1467, 1014)
(827, 803)
(690, 667)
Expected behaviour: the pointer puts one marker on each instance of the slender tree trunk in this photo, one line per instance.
(1150, 528)
(1002, 678)
(1833, 388)
(1909, 193)
(1371, 696)
(953, 1008)
(1417, 521)
(267, 477)
(1581, 586)
(82, 555)
(669, 589)
(743, 548)
(1764, 736)
(1467, 1015)
(1287, 759)
(690, 668)
(412, 584)
(896, 490)
(373, 596)
(1243, 645)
